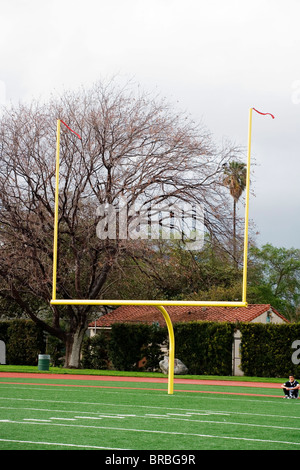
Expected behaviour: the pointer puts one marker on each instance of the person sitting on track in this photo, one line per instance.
(291, 388)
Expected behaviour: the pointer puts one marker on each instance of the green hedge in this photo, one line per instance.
(130, 343)
(267, 351)
(123, 347)
(205, 347)
(24, 341)
(95, 352)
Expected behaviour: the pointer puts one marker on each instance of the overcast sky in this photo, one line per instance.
(213, 58)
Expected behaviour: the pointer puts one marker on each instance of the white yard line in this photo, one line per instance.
(136, 406)
(148, 431)
(59, 444)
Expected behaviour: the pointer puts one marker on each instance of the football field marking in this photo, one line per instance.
(136, 406)
(173, 433)
(59, 444)
(152, 416)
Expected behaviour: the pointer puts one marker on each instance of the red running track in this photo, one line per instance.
(104, 378)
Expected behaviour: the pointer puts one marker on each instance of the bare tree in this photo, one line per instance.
(132, 146)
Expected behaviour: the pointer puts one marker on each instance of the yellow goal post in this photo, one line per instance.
(160, 304)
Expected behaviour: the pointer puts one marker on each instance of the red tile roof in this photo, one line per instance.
(150, 314)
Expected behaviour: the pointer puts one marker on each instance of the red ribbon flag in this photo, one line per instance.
(72, 129)
(264, 114)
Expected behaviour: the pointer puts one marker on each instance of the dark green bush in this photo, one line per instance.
(95, 352)
(266, 350)
(128, 343)
(24, 342)
(205, 347)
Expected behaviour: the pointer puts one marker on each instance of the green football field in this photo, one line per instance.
(50, 414)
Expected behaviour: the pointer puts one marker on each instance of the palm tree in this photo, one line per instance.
(235, 179)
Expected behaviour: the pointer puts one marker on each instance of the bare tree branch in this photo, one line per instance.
(132, 146)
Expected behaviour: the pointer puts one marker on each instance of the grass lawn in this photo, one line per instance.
(93, 414)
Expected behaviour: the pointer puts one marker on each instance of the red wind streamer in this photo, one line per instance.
(264, 114)
(72, 129)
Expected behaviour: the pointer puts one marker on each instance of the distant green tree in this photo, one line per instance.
(274, 278)
(169, 271)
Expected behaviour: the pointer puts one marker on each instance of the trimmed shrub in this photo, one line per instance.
(205, 347)
(24, 342)
(266, 350)
(95, 352)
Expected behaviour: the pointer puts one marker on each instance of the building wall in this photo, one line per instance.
(2, 353)
(268, 317)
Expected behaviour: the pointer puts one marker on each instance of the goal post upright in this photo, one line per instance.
(245, 261)
(55, 241)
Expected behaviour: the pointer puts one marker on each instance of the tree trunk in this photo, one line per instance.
(73, 348)
(234, 233)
